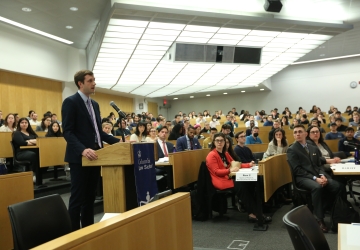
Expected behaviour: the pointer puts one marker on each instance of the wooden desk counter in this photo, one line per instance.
(163, 224)
(5, 149)
(25, 147)
(14, 188)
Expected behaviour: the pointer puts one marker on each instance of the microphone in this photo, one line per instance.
(351, 144)
(121, 114)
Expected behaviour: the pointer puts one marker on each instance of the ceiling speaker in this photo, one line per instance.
(273, 5)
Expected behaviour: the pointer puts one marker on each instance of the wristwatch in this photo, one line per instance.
(314, 178)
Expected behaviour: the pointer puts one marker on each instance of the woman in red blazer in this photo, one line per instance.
(218, 162)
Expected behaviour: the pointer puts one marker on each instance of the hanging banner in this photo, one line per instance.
(144, 170)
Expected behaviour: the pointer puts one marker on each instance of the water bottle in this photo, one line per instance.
(174, 150)
(356, 157)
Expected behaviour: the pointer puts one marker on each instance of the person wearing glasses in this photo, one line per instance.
(45, 123)
(220, 164)
(241, 150)
(278, 145)
(152, 135)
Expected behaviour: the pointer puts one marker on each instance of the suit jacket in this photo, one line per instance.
(305, 165)
(78, 128)
(326, 147)
(181, 144)
(169, 146)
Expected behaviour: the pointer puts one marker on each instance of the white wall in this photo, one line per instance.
(322, 84)
(24, 52)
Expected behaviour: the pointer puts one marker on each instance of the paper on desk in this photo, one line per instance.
(165, 159)
(353, 233)
(246, 170)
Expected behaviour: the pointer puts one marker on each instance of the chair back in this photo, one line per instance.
(17, 164)
(258, 156)
(304, 230)
(37, 221)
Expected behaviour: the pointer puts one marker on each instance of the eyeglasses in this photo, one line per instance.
(152, 131)
(315, 132)
(242, 136)
(219, 141)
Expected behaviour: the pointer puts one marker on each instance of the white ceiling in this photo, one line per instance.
(136, 52)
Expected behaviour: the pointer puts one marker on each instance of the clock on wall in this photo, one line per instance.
(353, 84)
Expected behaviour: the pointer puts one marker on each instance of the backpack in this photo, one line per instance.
(343, 212)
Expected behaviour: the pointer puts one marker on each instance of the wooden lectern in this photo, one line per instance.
(119, 189)
(113, 159)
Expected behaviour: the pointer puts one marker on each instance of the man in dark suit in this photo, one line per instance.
(83, 134)
(163, 149)
(304, 159)
(187, 142)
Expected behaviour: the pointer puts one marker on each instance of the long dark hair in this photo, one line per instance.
(321, 139)
(137, 131)
(230, 150)
(283, 140)
(51, 132)
(213, 141)
(28, 129)
(43, 122)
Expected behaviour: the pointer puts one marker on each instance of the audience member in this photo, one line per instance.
(152, 137)
(349, 137)
(135, 123)
(356, 121)
(231, 120)
(200, 119)
(206, 129)
(248, 131)
(209, 139)
(241, 150)
(303, 119)
(276, 125)
(9, 124)
(253, 138)
(304, 159)
(334, 134)
(33, 120)
(45, 123)
(278, 145)
(122, 130)
(284, 121)
(176, 132)
(214, 122)
(251, 118)
(1, 119)
(340, 127)
(226, 129)
(313, 109)
(188, 142)
(269, 121)
(107, 127)
(315, 122)
(54, 130)
(140, 133)
(198, 134)
(294, 123)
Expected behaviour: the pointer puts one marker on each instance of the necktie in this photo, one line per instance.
(92, 115)
(164, 148)
(191, 144)
(307, 150)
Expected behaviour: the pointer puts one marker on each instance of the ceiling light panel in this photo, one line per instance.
(140, 46)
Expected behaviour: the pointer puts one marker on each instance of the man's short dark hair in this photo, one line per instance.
(304, 116)
(254, 128)
(338, 119)
(349, 129)
(338, 112)
(161, 128)
(213, 129)
(80, 76)
(168, 121)
(300, 126)
(239, 133)
(226, 126)
(176, 116)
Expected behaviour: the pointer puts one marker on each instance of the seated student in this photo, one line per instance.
(164, 147)
(303, 119)
(294, 123)
(251, 118)
(278, 145)
(284, 121)
(220, 165)
(340, 127)
(140, 133)
(231, 121)
(248, 131)
(214, 122)
(206, 128)
(122, 130)
(357, 133)
(54, 130)
(198, 135)
(334, 134)
(331, 120)
(45, 123)
(356, 120)
(207, 141)
(269, 121)
(188, 141)
(148, 127)
(107, 127)
(243, 152)
(253, 138)
(304, 159)
(200, 119)
(9, 123)
(276, 125)
(316, 123)
(152, 137)
(33, 119)
(176, 132)
(313, 109)
(338, 115)
(25, 136)
(349, 137)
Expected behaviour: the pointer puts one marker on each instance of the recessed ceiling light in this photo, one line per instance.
(322, 54)
(191, 96)
(26, 9)
(208, 95)
(69, 27)
(73, 8)
(176, 98)
(225, 93)
(242, 91)
(261, 89)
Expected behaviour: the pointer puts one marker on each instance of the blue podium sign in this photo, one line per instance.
(144, 170)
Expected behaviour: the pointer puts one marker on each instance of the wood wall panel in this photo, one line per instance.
(20, 93)
(124, 103)
(153, 108)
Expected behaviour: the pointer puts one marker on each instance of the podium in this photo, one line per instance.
(117, 168)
